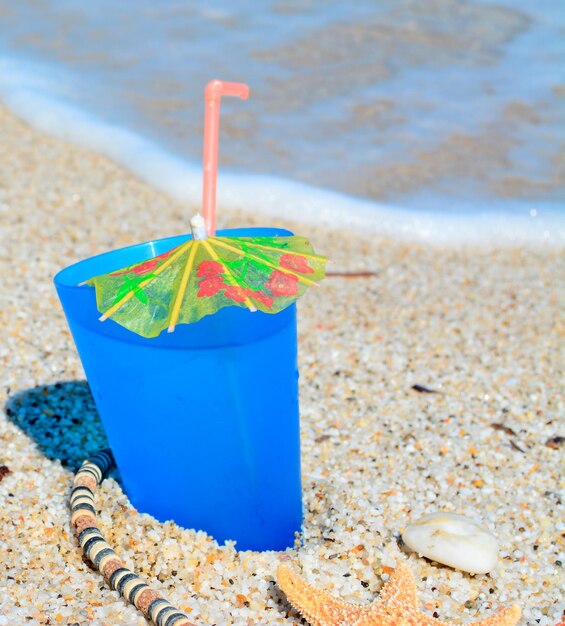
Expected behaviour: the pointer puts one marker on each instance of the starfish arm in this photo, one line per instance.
(396, 606)
(400, 589)
(318, 607)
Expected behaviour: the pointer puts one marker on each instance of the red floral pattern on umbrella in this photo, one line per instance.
(282, 284)
(235, 293)
(261, 296)
(210, 286)
(296, 263)
(210, 268)
(144, 268)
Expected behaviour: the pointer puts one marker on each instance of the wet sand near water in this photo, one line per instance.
(479, 326)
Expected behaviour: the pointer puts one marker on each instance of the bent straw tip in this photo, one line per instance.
(103, 318)
(171, 328)
(215, 89)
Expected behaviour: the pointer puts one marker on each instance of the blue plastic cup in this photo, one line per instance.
(203, 422)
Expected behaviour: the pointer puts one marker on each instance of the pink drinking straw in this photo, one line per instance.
(213, 93)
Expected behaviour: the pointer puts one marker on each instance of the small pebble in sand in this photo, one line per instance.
(453, 540)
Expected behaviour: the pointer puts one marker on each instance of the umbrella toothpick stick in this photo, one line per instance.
(182, 288)
(214, 91)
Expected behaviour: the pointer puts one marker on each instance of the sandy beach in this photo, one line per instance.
(482, 327)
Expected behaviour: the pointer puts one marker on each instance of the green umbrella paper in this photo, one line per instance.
(201, 276)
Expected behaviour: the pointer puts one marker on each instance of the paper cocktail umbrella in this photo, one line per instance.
(207, 272)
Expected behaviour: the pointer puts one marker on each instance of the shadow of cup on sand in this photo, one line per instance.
(62, 420)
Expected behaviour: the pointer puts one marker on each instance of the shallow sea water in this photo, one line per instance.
(449, 106)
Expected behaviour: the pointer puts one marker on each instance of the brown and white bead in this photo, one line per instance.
(128, 584)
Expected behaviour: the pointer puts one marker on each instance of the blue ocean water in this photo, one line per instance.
(435, 120)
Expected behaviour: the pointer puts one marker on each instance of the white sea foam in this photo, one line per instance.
(42, 99)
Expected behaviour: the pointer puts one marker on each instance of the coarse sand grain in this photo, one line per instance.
(481, 327)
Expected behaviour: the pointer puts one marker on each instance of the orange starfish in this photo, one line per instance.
(396, 605)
